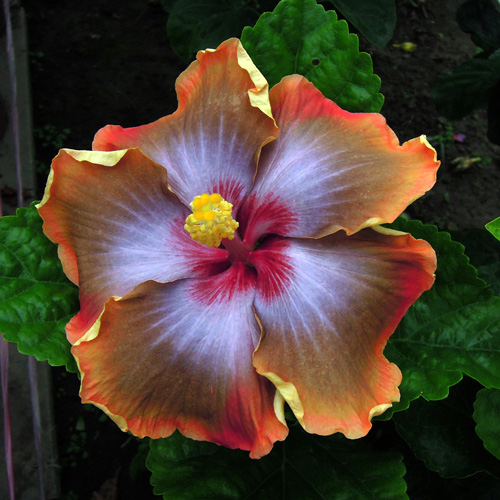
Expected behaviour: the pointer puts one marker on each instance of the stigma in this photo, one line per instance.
(211, 220)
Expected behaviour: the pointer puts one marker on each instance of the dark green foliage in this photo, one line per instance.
(481, 18)
(199, 24)
(375, 19)
(452, 330)
(475, 83)
(302, 468)
(36, 298)
(299, 36)
(486, 414)
(484, 252)
(442, 433)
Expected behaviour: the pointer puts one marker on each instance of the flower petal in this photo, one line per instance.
(330, 169)
(179, 355)
(213, 140)
(118, 225)
(327, 308)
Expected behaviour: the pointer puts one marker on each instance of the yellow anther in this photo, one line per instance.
(211, 220)
(197, 203)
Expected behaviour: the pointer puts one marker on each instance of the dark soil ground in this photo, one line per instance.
(462, 198)
(100, 62)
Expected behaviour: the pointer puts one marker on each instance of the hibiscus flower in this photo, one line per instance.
(230, 259)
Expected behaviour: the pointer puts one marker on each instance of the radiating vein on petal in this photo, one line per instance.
(326, 325)
(211, 143)
(179, 355)
(330, 169)
(117, 225)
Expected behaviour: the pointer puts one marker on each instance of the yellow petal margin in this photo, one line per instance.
(104, 158)
(259, 96)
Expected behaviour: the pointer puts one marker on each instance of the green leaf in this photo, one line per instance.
(424, 484)
(36, 298)
(453, 329)
(482, 248)
(300, 37)
(494, 228)
(483, 251)
(481, 19)
(197, 24)
(375, 19)
(442, 434)
(491, 274)
(304, 467)
(467, 87)
(487, 417)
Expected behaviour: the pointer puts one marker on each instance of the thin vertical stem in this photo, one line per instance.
(4, 346)
(14, 115)
(4, 373)
(37, 424)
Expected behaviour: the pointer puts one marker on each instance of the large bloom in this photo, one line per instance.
(297, 305)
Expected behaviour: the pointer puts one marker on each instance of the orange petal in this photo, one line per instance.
(179, 355)
(330, 169)
(117, 225)
(213, 140)
(327, 308)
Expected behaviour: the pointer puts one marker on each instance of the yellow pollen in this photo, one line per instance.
(211, 220)
(197, 203)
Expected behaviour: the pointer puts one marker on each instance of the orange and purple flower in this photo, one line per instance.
(230, 259)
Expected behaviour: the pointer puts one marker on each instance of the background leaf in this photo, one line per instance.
(494, 228)
(487, 416)
(442, 433)
(484, 251)
(36, 298)
(197, 24)
(476, 83)
(299, 36)
(375, 19)
(304, 467)
(467, 87)
(481, 18)
(453, 329)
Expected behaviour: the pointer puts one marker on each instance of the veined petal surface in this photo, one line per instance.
(213, 140)
(117, 225)
(179, 355)
(327, 308)
(330, 169)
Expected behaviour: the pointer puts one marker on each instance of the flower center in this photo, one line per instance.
(211, 220)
